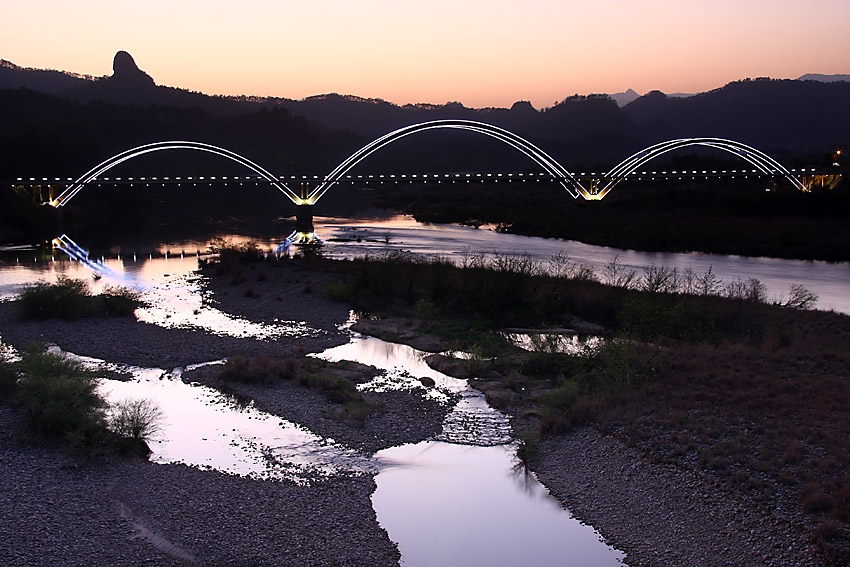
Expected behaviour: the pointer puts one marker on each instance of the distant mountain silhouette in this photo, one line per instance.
(42, 80)
(65, 123)
(779, 115)
(824, 78)
(624, 98)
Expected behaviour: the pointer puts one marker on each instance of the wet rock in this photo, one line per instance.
(404, 331)
(447, 365)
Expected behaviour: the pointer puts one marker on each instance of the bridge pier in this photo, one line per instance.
(304, 233)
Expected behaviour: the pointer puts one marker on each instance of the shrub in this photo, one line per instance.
(342, 391)
(750, 289)
(528, 445)
(71, 299)
(801, 298)
(659, 279)
(622, 364)
(564, 397)
(259, 369)
(59, 394)
(136, 419)
(337, 291)
(119, 301)
(616, 274)
(67, 299)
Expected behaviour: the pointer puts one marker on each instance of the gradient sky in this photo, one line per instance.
(481, 53)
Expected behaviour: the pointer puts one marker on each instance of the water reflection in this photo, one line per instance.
(547, 342)
(346, 238)
(203, 427)
(461, 499)
(470, 508)
(178, 301)
(471, 422)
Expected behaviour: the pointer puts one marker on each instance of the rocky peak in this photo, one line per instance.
(126, 73)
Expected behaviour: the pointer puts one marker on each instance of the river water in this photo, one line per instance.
(462, 489)
(351, 237)
(829, 281)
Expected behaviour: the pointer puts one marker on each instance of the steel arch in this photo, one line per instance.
(108, 164)
(757, 158)
(564, 177)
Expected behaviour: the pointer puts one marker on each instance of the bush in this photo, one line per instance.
(259, 369)
(66, 299)
(59, 395)
(136, 419)
(336, 291)
(71, 299)
(528, 446)
(119, 301)
(622, 364)
(800, 298)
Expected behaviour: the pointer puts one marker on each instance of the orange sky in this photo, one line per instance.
(481, 53)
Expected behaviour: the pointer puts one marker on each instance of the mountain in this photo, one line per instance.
(42, 80)
(824, 78)
(624, 98)
(64, 122)
(778, 115)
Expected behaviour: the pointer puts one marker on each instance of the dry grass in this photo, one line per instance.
(768, 417)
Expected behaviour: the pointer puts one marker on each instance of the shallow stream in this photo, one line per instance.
(458, 499)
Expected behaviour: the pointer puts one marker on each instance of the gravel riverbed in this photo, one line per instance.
(117, 511)
(662, 515)
(58, 510)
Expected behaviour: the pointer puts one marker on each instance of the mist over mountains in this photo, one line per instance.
(58, 123)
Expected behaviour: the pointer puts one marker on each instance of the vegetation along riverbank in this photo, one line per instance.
(724, 217)
(706, 426)
(702, 375)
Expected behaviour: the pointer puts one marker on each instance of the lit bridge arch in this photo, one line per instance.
(555, 169)
(619, 173)
(757, 158)
(108, 164)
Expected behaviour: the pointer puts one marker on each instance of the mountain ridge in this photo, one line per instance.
(784, 117)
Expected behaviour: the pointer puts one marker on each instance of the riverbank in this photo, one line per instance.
(739, 394)
(660, 510)
(661, 507)
(60, 510)
(720, 217)
(663, 515)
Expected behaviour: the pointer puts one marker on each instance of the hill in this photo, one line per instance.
(54, 121)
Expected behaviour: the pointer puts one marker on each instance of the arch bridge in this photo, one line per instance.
(598, 189)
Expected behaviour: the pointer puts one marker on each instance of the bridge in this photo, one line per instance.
(591, 186)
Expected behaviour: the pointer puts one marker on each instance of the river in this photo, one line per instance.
(345, 238)
(460, 488)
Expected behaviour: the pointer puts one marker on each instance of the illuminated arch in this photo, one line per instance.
(757, 158)
(108, 164)
(555, 169)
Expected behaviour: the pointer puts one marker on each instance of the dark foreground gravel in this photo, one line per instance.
(56, 511)
(122, 511)
(661, 515)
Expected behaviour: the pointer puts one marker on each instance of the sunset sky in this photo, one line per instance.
(481, 53)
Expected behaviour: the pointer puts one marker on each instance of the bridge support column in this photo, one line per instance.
(304, 234)
(304, 219)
